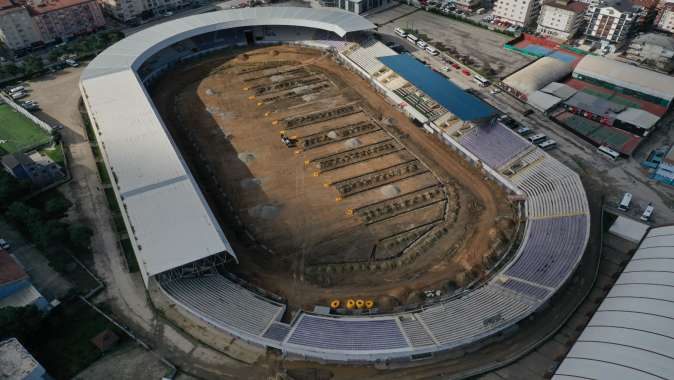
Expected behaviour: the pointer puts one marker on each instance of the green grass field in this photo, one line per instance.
(17, 132)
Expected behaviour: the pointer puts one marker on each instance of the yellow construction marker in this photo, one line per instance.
(266, 113)
(245, 88)
(259, 103)
(306, 162)
(298, 151)
(316, 173)
(282, 132)
(349, 212)
(274, 122)
(252, 97)
(338, 199)
(327, 184)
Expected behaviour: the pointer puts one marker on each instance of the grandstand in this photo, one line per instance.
(150, 174)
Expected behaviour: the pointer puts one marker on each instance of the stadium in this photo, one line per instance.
(291, 181)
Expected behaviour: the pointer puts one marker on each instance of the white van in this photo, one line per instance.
(547, 144)
(18, 95)
(16, 89)
(625, 202)
(422, 44)
(539, 137)
(412, 38)
(647, 213)
(431, 50)
(400, 32)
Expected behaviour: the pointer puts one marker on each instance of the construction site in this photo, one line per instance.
(327, 191)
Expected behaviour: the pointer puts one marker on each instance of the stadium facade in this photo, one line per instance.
(172, 226)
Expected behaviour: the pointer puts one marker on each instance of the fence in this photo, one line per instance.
(25, 113)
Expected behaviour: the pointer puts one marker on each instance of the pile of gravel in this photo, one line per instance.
(352, 143)
(390, 190)
(246, 157)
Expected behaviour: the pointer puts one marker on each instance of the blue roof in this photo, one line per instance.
(465, 106)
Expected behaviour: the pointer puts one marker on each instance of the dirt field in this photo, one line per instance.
(357, 202)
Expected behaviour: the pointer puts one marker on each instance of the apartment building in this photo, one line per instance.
(517, 12)
(561, 19)
(653, 50)
(665, 18)
(63, 19)
(611, 22)
(122, 10)
(17, 30)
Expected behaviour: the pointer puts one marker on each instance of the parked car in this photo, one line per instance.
(523, 131)
(4, 244)
(19, 95)
(495, 91)
(71, 62)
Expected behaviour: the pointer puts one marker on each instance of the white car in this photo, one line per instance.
(4, 244)
(495, 91)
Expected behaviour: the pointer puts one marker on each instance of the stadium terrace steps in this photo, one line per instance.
(277, 331)
(416, 332)
(225, 302)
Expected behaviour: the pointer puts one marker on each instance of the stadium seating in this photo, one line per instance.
(551, 250)
(526, 289)
(415, 331)
(494, 144)
(347, 334)
(365, 55)
(277, 331)
(224, 302)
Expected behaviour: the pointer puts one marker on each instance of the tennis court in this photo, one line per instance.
(17, 133)
(600, 134)
(616, 97)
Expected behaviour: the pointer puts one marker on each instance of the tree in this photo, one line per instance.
(32, 65)
(10, 189)
(19, 322)
(80, 236)
(49, 234)
(23, 214)
(56, 206)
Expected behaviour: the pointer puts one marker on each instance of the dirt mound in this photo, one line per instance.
(264, 211)
(209, 92)
(332, 135)
(352, 143)
(390, 190)
(246, 157)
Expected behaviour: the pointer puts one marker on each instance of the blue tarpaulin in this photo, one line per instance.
(465, 106)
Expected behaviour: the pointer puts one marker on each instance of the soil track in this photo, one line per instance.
(214, 132)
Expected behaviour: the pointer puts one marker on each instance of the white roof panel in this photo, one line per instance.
(630, 336)
(627, 76)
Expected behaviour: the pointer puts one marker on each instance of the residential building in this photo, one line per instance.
(611, 22)
(518, 12)
(16, 363)
(665, 19)
(17, 30)
(63, 19)
(122, 10)
(654, 50)
(35, 167)
(561, 19)
(468, 5)
(16, 290)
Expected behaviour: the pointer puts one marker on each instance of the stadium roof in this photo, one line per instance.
(170, 221)
(538, 75)
(627, 76)
(630, 335)
(462, 104)
(135, 49)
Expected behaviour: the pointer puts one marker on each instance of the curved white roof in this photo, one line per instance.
(135, 49)
(538, 75)
(627, 76)
(169, 220)
(630, 337)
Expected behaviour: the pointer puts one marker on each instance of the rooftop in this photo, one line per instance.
(16, 362)
(10, 270)
(46, 6)
(573, 6)
(662, 40)
(462, 104)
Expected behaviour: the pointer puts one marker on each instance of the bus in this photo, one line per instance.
(412, 38)
(482, 81)
(537, 138)
(625, 202)
(608, 153)
(400, 32)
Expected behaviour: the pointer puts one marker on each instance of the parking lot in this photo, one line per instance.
(483, 46)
